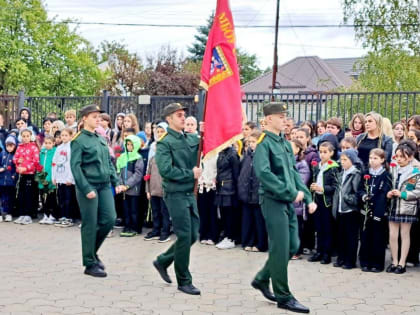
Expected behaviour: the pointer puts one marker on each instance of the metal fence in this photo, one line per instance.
(302, 106)
(317, 106)
(8, 105)
(42, 106)
(150, 111)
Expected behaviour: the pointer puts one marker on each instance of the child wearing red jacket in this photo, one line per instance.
(26, 160)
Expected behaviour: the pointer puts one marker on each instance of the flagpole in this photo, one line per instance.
(275, 64)
(200, 146)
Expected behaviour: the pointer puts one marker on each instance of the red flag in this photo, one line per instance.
(220, 77)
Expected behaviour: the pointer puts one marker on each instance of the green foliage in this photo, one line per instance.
(401, 15)
(199, 46)
(390, 71)
(393, 62)
(248, 66)
(43, 57)
(106, 49)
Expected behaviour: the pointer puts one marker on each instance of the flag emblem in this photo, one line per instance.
(219, 68)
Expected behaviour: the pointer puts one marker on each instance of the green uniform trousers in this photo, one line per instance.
(283, 236)
(185, 221)
(98, 218)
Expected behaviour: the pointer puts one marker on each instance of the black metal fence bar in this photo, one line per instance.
(42, 106)
(394, 105)
(302, 106)
(8, 104)
(150, 111)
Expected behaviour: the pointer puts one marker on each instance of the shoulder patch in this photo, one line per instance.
(240, 148)
(163, 136)
(261, 138)
(76, 135)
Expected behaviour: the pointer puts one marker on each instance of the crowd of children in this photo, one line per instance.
(365, 180)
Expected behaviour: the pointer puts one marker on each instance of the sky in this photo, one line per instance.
(293, 42)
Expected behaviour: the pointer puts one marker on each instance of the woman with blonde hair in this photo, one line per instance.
(57, 125)
(387, 127)
(374, 137)
(357, 124)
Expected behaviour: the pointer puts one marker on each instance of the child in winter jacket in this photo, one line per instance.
(8, 178)
(26, 160)
(62, 177)
(404, 197)
(154, 192)
(346, 210)
(45, 184)
(130, 168)
(254, 234)
(376, 183)
(305, 175)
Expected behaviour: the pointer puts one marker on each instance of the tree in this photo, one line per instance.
(199, 46)
(163, 73)
(168, 73)
(399, 22)
(388, 71)
(248, 64)
(248, 68)
(42, 56)
(125, 74)
(392, 63)
(106, 49)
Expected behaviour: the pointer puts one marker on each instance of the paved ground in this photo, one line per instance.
(41, 273)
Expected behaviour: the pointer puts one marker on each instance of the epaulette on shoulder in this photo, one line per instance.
(240, 147)
(261, 138)
(76, 135)
(163, 136)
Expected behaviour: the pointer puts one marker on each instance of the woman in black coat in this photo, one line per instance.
(254, 234)
(373, 138)
(226, 199)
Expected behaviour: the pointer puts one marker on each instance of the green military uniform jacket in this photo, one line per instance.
(90, 162)
(274, 165)
(176, 156)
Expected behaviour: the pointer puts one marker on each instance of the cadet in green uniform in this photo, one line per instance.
(176, 157)
(281, 185)
(93, 173)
